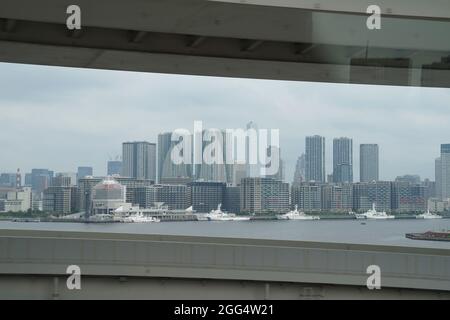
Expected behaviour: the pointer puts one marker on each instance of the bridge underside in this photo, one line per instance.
(223, 38)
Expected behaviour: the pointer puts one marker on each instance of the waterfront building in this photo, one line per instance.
(264, 195)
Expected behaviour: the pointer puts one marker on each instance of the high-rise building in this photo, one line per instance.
(438, 177)
(430, 188)
(114, 168)
(315, 159)
(278, 173)
(28, 179)
(253, 166)
(139, 160)
(217, 170)
(264, 195)
(299, 174)
(40, 179)
(83, 172)
(368, 162)
(445, 171)
(168, 171)
(239, 173)
(342, 160)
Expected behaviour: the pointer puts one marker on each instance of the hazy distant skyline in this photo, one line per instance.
(62, 118)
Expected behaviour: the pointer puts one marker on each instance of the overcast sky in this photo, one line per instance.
(61, 118)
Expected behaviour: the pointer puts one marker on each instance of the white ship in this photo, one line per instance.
(374, 214)
(134, 214)
(219, 215)
(428, 215)
(296, 215)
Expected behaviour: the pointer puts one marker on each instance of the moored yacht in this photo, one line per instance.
(374, 214)
(219, 215)
(428, 215)
(296, 215)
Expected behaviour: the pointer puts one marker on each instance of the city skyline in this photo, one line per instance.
(87, 115)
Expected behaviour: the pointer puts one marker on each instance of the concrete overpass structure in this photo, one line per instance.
(33, 265)
(321, 40)
(318, 40)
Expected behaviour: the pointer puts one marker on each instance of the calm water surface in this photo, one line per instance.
(343, 231)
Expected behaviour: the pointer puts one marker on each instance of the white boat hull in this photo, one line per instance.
(375, 217)
(228, 218)
(428, 217)
(298, 218)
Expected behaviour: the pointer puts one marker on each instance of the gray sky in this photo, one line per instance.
(61, 118)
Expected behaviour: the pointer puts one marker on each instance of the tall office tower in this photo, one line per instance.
(315, 158)
(368, 163)
(239, 173)
(278, 173)
(139, 160)
(438, 177)
(83, 172)
(168, 171)
(342, 160)
(28, 179)
(253, 167)
(114, 167)
(217, 171)
(40, 179)
(445, 171)
(299, 174)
